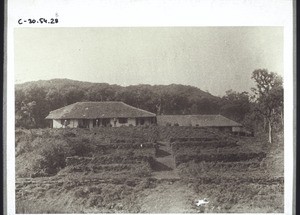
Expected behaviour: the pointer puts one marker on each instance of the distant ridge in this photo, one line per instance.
(49, 95)
(193, 92)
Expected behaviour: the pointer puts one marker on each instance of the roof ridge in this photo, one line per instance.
(110, 109)
(230, 119)
(64, 107)
(138, 108)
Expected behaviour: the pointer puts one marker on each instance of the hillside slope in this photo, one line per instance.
(52, 94)
(106, 170)
(61, 84)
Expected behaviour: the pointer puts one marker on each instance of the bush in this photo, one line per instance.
(52, 157)
(83, 148)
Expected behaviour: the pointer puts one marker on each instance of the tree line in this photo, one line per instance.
(263, 108)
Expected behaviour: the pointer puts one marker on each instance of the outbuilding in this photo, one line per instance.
(208, 121)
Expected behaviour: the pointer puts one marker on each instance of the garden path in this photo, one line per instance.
(170, 195)
(165, 167)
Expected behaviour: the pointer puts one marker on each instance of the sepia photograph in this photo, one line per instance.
(149, 119)
(149, 107)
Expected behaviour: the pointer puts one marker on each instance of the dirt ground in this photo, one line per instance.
(167, 189)
(169, 197)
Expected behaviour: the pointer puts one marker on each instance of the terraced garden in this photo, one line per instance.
(136, 169)
(236, 175)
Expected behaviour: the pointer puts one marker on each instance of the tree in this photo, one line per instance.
(55, 99)
(235, 105)
(39, 110)
(24, 116)
(160, 99)
(268, 96)
(73, 95)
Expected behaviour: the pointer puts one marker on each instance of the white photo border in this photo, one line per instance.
(155, 13)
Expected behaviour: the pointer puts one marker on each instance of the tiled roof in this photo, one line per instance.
(93, 110)
(200, 120)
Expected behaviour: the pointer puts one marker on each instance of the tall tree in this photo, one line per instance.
(24, 116)
(235, 105)
(268, 96)
(41, 108)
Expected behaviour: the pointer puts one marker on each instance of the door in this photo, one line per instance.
(106, 122)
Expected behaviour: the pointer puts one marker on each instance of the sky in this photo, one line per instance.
(214, 59)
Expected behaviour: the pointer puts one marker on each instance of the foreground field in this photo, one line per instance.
(146, 170)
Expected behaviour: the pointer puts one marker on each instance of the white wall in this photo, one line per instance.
(236, 129)
(73, 123)
(90, 123)
(130, 121)
(56, 123)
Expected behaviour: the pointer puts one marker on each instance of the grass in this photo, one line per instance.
(82, 170)
(253, 185)
(242, 197)
(106, 170)
(85, 197)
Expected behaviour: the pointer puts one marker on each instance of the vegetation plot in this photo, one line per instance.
(248, 180)
(109, 170)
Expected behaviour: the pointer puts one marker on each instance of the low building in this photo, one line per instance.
(97, 114)
(212, 121)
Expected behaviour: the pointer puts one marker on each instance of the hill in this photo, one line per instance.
(161, 99)
(61, 84)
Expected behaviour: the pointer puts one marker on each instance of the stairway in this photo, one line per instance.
(165, 155)
(165, 168)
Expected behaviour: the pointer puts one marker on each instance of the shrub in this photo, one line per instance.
(52, 157)
(83, 148)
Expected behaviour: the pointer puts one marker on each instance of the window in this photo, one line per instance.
(83, 123)
(142, 121)
(123, 120)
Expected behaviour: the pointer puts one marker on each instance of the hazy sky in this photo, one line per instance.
(211, 58)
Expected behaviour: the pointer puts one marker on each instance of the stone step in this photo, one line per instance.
(168, 161)
(164, 157)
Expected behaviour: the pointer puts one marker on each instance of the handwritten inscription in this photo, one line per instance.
(38, 21)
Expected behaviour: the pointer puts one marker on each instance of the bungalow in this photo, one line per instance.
(211, 121)
(96, 114)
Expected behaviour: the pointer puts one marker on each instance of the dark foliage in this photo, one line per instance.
(34, 100)
(159, 99)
